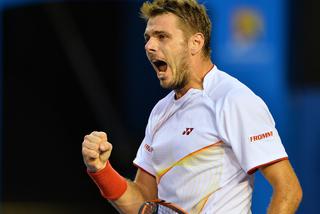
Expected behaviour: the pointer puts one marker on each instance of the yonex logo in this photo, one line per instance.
(261, 136)
(148, 148)
(187, 131)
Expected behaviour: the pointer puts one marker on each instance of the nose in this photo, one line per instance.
(150, 46)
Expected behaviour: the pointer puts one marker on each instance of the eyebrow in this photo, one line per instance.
(157, 32)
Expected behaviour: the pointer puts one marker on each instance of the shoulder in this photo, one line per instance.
(240, 97)
(230, 95)
(244, 106)
(222, 87)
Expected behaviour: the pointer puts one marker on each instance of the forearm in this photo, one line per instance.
(131, 200)
(285, 200)
(287, 192)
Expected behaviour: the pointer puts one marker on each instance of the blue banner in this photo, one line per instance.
(248, 42)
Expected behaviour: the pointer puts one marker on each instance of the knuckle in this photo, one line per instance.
(95, 133)
(87, 137)
(84, 151)
(104, 134)
(84, 142)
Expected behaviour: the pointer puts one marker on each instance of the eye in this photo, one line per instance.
(162, 36)
(146, 39)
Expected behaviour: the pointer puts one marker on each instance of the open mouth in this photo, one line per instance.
(160, 65)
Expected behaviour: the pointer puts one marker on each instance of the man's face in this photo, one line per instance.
(167, 50)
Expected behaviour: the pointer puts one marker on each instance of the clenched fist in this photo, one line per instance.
(96, 151)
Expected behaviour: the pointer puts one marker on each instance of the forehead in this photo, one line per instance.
(164, 22)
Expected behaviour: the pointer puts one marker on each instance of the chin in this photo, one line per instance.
(165, 85)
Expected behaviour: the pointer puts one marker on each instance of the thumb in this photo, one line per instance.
(102, 147)
(105, 150)
(105, 146)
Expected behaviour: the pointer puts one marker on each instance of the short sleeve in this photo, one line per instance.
(246, 124)
(143, 158)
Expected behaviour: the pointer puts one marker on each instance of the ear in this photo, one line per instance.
(196, 43)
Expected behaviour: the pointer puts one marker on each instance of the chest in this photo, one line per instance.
(186, 131)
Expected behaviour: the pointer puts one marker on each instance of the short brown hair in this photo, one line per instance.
(192, 15)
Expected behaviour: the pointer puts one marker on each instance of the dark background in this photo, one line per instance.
(48, 106)
(73, 67)
(304, 44)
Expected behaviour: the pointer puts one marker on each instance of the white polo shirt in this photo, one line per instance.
(203, 147)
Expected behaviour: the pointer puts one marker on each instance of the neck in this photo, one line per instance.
(197, 73)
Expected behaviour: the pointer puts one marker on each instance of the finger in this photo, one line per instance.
(101, 135)
(92, 138)
(89, 154)
(89, 145)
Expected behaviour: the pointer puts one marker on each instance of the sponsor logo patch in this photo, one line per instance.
(259, 137)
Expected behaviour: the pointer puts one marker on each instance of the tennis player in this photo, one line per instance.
(205, 139)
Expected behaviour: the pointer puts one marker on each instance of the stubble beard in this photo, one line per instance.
(180, 76)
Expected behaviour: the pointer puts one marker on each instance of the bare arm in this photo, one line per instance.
(287, 192)
(96, 151)
(143, 188)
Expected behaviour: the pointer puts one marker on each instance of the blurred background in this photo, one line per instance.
(70, 67)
